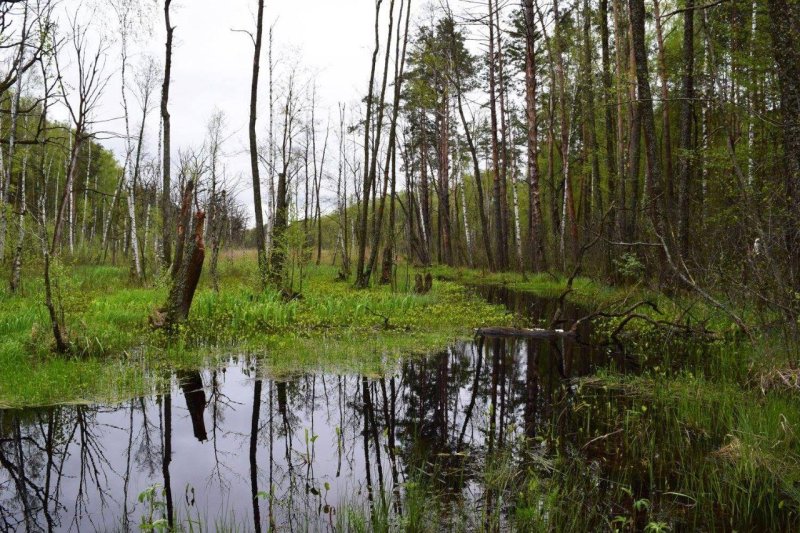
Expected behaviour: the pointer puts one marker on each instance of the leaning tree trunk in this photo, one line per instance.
(371, 169)
(189, 256)
(484, 219)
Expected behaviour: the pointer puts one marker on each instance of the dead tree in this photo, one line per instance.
(166, 236)
(190, 254)
(260, 236)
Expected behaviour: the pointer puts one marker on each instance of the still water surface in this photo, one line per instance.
(228, 445)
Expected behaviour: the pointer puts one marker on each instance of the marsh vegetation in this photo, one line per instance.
(540, 272)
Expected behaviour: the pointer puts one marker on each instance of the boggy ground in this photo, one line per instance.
(116, 355)
(689, 434)
(665, 432)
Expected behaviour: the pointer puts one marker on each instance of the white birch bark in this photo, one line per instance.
(86, 195)
(129, 147)
(751, 131)
(16, 266)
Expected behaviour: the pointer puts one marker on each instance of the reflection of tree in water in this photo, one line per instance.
(147, 455)
(433, 421)
(293, 421)
(192, 387)
(16, 456)
(34, 450)
(218, 404)
(435, 413)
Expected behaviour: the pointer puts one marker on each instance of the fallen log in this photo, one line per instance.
(536, 333)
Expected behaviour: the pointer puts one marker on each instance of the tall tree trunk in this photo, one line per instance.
(465, 218)
(5, 171)
(379, 214)
(596, 196)
(568, 203)
(277, 257)
(71, 221)
(341, 194)
(425, 201)
(501, 241)
(504, 134)
(634, 147)
(751, 96)
(260, 239)
(22, 207)
(444, 179)
(59, 335)
(166, 203)
(318, 175)
(686, 126)
(86, 194)
(72, 170)
(785, 28)
(623, 216)
(110, 215)
(515, 206)
(370, 164)
(217, 235)
(389, 250)
(656, 202)
(387, 268)
(666, 128)
(131, 168)
(535, 227)
(608, 120)
(137, 263)
(476, 170)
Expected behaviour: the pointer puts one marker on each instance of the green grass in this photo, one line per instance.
(594, 295)
(713, 453)
(702, 437)
(707, 435)
(116, 355)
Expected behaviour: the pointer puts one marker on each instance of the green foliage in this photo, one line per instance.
(154, 503)
(629, 267)
(119, 356)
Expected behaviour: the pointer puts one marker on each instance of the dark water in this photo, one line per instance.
(229, 445)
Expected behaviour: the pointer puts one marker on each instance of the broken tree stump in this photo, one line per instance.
(186, 274)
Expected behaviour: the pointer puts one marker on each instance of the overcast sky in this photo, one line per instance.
(330, 41)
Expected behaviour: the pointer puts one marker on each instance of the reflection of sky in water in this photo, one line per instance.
(314, 440)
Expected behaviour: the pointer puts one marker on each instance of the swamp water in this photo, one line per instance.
(229, 449)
